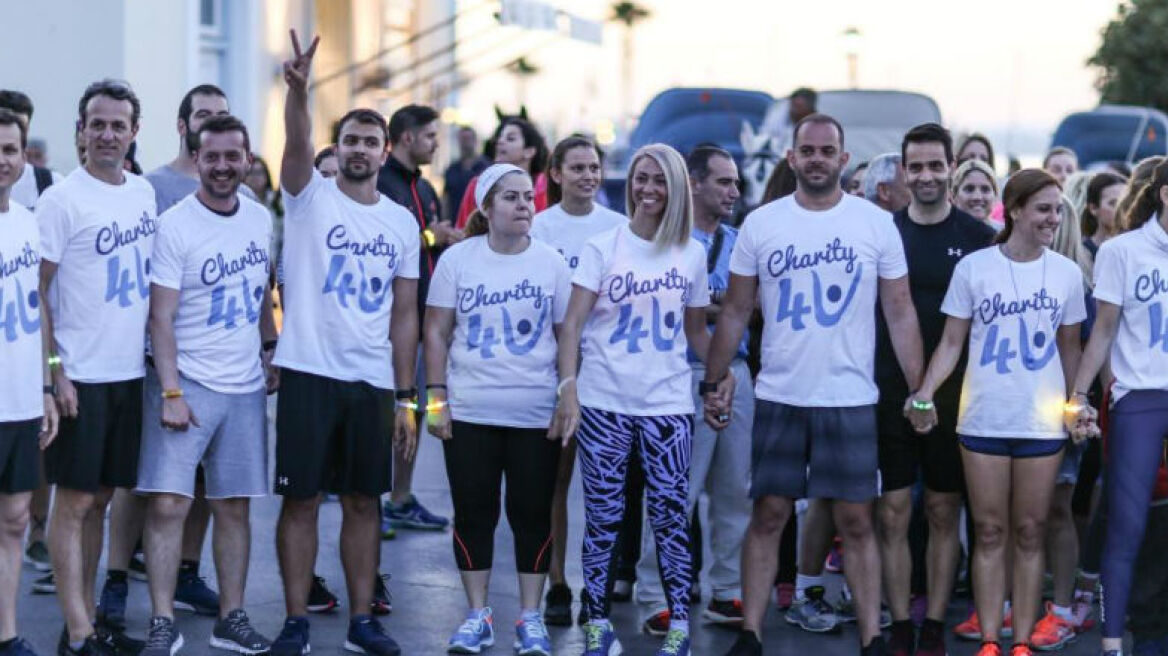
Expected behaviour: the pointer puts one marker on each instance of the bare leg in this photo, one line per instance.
(943, 512)
(161, 538)
(895, 509)
(816, 535)
(232, 546)
(127, 516)
(760, 557)
(475, 583)
(360, 544)
(296, 543)
(39, 513)
(13, 521)
(403, 479)
(195, 528)
(854, 521)
(68, 546)
(1033, 483)
(988, 479)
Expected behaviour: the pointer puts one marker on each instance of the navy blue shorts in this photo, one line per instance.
(1012, 447)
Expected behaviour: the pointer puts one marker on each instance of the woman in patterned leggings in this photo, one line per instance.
(638, 298)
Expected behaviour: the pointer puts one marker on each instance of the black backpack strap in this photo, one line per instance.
(715, 250)
(44, 178)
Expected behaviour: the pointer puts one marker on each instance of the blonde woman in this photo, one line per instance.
(638, 300)
(975, 191)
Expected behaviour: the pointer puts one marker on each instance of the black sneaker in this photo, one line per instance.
(192, 593)
(382, 603)
(558, 608)
(746, 645)
(874, 648)
(111, 605)
(622, 590)
(235, 633)
(45, 585)
(902, 638)
(92, 646)
(18, 647)
(162, 639)
(293, 638)
(137, 568)
(320, 598)
(122, 644)
(582, 616)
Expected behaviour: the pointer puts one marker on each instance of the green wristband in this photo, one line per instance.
(922, 406)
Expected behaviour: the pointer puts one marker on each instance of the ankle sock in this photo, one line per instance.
(803, 582)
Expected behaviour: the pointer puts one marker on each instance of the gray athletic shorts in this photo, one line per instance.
(230, 443)
(814, 453)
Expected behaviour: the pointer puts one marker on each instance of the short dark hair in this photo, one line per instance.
(224, 124)
(699, 158)
(110, 88)
(365, 117)
(927, 133)
(821, 119)
(531, 139)
(9, 117)
(16, 102)
(409, 119)
(185, 107)
(325, 153)
(806, 93)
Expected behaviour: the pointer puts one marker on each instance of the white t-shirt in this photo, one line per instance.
(24, 191)
(634, 341)
(342, 260)
(1014, 385)
(20, 320)
(1131, 271)
(567, 233)
(101, 236)
(220, 266)
(501, 369)
(818, 275)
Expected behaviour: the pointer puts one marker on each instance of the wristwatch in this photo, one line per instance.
(705, 388)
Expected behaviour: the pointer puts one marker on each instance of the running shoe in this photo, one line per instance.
(845, 610)
(874, 648)
(474, 634)
(1051, 632)
(137, 569)
(1021, 650)
(747, 644)
(92, 646)
(1081, 616)
(557, 609)
(932, 639)
(970, 629)
(531, 637)
(45, 585)
(676, 644)
(119, 641)
(162, 639)
(622, 590)
(835, 558)
(657, 624)
(600, 640)
(18, 647)
(192, 593)
(293, 638)
(413, 515)
(388, 532)
(724, 613)
(382, 603)
(37, 555)
(320, 598)
(111, 606)
(813, 613)
(582, 615)
(784, 595)
(990, 649)
(235, 633)
(367, 636)
(902, 638)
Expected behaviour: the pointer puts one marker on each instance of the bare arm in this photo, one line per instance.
(732, 319)
(439, 329)
(696, 333)
(51, 417)
(403, 334)
(176, 414)
(567, 417)
(903, 328)
(1070, 348)
(1095, 355)
(66, 393)
(296, 165)
(945, 358)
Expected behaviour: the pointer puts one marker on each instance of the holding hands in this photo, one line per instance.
(921, 412)
(718, 401)
(1080, 419)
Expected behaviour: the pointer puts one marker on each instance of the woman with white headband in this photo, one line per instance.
(495, 301)
(638, 299)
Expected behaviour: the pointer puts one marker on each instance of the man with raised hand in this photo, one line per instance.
(350, 339)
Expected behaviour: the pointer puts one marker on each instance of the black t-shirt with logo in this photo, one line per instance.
(932, 252)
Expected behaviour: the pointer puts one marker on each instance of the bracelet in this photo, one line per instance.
(172, 393)
(1086, 395)
(922, 406)
(51, 390)
(54, 361)
(428, 235)
(441, 386)
(406, 394)
(560, 387)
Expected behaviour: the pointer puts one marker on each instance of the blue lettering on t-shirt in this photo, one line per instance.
(216, 268)
(788, 259)
(519, 337)
(1159, 327)
(992, 308)
(793, 305)
(119, 285)
(226, 300)
(1148, 286)
(27, 259)
(338, 240)
(113, 237)
(472, 298)
(621, 287)
(18, 317)
(370, 293)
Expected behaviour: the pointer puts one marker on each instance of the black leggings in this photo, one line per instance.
(477, 458)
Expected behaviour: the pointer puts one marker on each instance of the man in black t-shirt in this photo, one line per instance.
(936, 235)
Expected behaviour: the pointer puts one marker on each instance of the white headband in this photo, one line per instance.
(488, 178)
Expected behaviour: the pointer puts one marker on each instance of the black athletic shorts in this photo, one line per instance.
(906, 455)
(332, 436)
(815, 453)
(20, 461)
(99, 447)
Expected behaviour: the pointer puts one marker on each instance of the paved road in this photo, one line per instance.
(428, 600)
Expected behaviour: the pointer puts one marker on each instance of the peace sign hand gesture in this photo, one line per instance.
(296, 69)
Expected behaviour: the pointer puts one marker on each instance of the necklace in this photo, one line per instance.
(1039, 336)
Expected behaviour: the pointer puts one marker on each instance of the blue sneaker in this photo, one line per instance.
(193, 594)
(293, 638)
(600, 640)
(367, 636)
(531, 637)
(676, 644)
(412, 514)
(477, 632)
(111, 606)
(18, 648)
(388, 532)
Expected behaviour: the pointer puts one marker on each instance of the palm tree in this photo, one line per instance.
(628, 14)
(523, 70)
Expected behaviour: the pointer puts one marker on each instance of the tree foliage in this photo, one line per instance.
(1132, 58)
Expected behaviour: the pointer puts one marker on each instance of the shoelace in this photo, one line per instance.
(472, 626)
(533, 628)
(593, 636)
(240, 626)
(673, 640)
(160, 639)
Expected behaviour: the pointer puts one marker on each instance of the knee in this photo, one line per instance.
(14, 522)
(990, 533)
(234, 511)
(942, 514)
(1029, 534)
(73, 505)
(1060, 513)
(894, 518)
(300, 511)
(168, 508)
(854, 527)
(360, 506)
(770, 516)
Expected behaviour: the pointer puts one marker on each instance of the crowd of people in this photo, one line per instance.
(916, 341)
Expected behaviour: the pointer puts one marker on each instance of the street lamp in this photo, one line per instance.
(852, 38)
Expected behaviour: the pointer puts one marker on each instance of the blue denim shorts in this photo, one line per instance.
(1012, 447)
